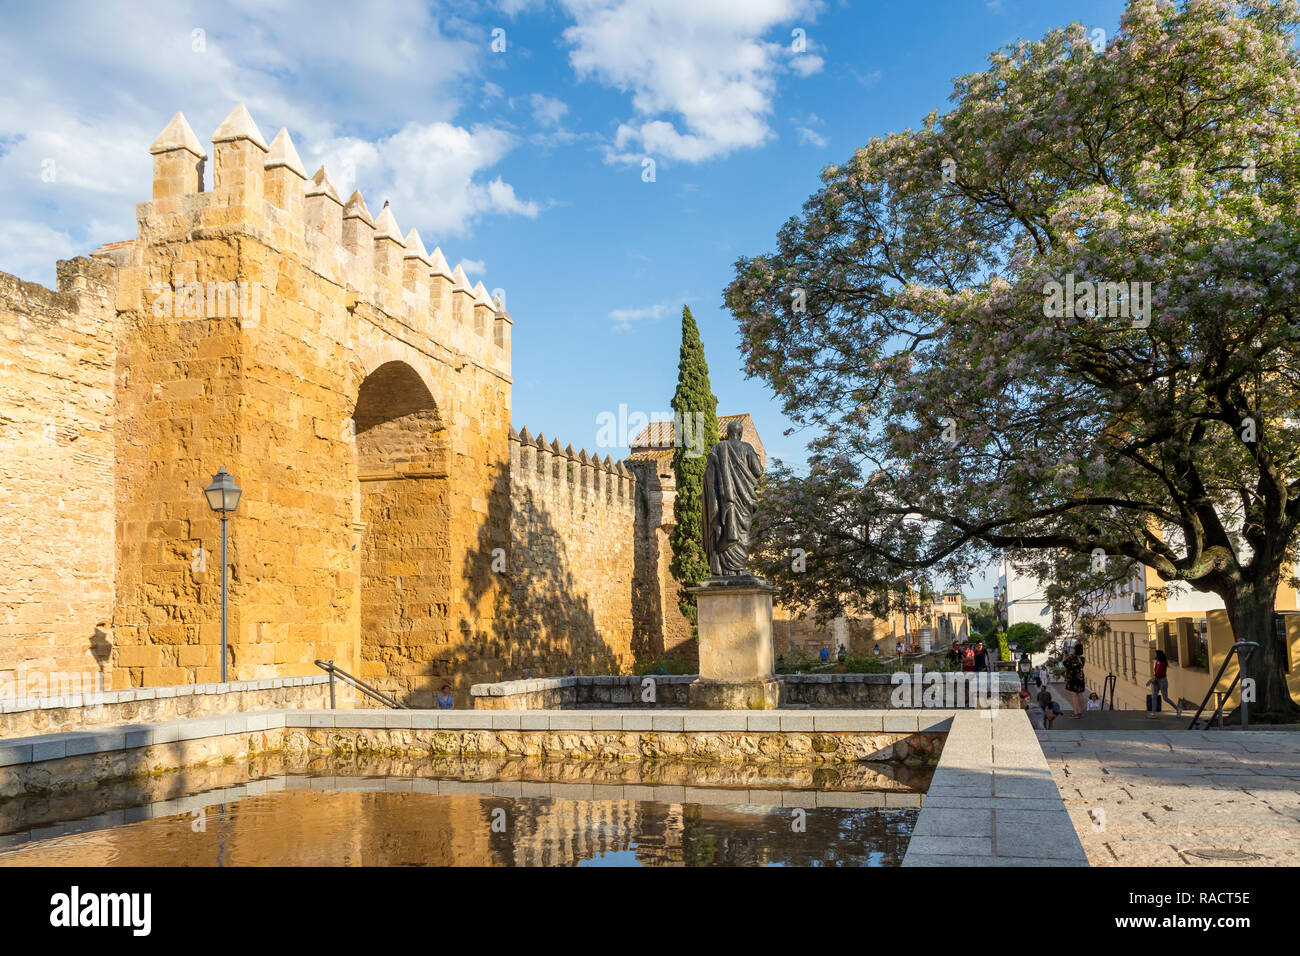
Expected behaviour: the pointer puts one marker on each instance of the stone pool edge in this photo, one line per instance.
(78, 759)
(992, 801)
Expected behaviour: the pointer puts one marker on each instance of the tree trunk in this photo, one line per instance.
(1251, 609)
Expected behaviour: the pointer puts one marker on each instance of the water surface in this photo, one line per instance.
(400, 812)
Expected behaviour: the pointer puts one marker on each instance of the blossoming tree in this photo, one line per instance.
(1058, 320)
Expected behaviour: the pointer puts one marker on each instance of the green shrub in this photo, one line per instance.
(1030, 637)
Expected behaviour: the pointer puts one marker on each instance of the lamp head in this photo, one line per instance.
(223, 494)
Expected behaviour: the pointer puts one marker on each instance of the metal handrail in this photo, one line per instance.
(329, 668)
(1243, 650)
(1108, 685)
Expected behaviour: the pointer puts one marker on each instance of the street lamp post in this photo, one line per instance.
(223, 498)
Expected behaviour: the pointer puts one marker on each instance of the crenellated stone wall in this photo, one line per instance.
(355, 386)
(362, 401)
(57, 466)
(358, 390)
(571, 560)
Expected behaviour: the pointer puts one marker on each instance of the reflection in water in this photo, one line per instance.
(299, 827)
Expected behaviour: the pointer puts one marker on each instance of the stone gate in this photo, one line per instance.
(356, 387)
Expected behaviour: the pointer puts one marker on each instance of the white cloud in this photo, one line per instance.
(427, 173)
(473, 267)
(94, 102)
(808, 137)
(547, 111)
(704, 63)
(33, 247)
(625, 318)
(512, 8)
(806, 64)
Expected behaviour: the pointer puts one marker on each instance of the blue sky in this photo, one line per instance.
(525, 165)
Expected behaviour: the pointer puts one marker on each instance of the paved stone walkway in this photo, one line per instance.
(1162, 797)
(992, 800)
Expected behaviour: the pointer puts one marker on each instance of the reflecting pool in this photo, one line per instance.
(327, 812)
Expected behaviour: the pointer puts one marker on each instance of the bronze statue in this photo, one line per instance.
(731, 478)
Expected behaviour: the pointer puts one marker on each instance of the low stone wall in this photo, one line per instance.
(946, 690)
(41, 715)
(562, 693)
(715, 747)
(63, 762)
(798, 691)
(60, 763)
(44, 816)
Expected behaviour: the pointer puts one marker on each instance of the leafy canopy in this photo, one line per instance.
(902, 319)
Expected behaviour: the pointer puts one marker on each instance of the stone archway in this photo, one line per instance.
(402, 531)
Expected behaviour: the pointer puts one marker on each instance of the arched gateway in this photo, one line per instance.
(362, 400)
(403, 533)
(358, 390)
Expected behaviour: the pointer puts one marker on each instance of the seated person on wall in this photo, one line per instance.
(1035, 711)
(1051, 709)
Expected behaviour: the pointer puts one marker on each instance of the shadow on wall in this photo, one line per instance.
(542, 617)
(661, 634)
(647, 598)
(101, 649)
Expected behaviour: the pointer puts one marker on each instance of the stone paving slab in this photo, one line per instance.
(993, 800)
(1157, 798)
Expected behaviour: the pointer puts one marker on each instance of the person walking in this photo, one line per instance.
(1075, 684)
(981, 657)
(1024, 667)
(967, 659)
(1159, 684)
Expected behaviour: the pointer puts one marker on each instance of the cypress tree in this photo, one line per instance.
(695, 409)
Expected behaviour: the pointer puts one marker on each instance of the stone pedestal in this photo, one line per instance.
(735, 624)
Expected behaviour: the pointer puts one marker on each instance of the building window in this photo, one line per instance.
(1200, 649)
(1284, 647)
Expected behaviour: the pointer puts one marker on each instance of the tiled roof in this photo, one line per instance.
(656, 439)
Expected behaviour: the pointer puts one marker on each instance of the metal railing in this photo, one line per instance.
(1243, 651)
(1108, 687)
(335, 672)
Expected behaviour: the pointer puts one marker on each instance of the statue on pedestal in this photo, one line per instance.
(731, 477)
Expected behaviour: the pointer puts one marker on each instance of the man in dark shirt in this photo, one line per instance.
(981, 657)
(954, 656)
